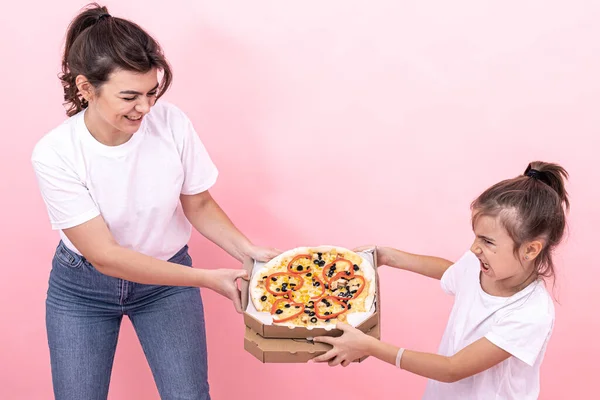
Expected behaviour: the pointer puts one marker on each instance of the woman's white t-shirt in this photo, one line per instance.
(134, 186)
(520, 324)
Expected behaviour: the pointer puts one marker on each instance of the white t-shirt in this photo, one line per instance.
(134, 186)
(520, 324)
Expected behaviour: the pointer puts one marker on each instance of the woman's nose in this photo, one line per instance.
(143, 106)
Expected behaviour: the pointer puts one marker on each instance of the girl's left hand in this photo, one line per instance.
(352, 345)
(263, 254)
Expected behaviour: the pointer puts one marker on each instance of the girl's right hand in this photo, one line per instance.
(224, 282)
(363, 248)
(381, 254)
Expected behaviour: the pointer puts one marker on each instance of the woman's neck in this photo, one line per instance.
(102, 131)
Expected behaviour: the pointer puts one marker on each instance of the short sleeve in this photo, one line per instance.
(67, 199)
(522, 333)
(456, 273)
(200, 173)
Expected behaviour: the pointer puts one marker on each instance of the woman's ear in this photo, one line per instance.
(85, 87)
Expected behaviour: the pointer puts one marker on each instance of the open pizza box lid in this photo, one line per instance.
(285, 332)
(289, 350)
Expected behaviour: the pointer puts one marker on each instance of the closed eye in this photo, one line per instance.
(486, 240)
(152, 94)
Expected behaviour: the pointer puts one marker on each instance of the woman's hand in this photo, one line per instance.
(352, 345)
(263, 254)
(224, 282)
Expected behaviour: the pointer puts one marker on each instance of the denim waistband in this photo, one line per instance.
(73, 259)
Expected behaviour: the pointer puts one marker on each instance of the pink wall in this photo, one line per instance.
(429, 102)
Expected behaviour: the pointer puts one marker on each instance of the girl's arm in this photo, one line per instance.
(433, 267)
(473, 359)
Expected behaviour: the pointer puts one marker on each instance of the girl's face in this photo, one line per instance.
(120, 104)
(499, 264)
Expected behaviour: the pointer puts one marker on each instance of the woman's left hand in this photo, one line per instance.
(352, 345)
(263, 254)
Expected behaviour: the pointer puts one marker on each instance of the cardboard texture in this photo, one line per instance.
(289, 350)
(285, 332)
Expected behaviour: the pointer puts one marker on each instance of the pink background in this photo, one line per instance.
(404, 110)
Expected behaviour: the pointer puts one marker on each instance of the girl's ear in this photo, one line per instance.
(532, 249)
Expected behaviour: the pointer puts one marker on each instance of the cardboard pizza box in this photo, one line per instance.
(285, 332)
(289, 350)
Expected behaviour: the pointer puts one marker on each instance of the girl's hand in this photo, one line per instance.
(352, 345)
(224, 282)
(363, 248)
(381, 253)
(263, 254)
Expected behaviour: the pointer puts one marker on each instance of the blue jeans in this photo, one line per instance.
(84, 309)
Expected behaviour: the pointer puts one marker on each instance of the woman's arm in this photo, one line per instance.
(95, 242)
(473, 359)
(210, 220)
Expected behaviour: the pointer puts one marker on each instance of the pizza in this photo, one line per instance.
(313, 287)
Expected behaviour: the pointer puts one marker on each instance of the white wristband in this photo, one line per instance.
(399, 357)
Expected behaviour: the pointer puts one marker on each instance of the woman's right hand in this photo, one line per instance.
(224, 282)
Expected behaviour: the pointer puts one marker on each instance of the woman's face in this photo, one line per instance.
(120, 104)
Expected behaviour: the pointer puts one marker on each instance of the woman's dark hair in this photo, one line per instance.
(531, 206)
(97, 44)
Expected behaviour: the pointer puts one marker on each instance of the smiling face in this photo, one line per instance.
(116, 109)
(502, 268)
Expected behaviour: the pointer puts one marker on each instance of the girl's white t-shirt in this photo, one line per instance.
(134, 186)
(521, 325)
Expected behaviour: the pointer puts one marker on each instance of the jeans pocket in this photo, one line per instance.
(66, 257)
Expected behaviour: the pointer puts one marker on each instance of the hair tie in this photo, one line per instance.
(533, 173)
(537, 175)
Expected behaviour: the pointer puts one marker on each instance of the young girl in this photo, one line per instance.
(503, 315)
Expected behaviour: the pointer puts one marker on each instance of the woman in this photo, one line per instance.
(124, 179)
